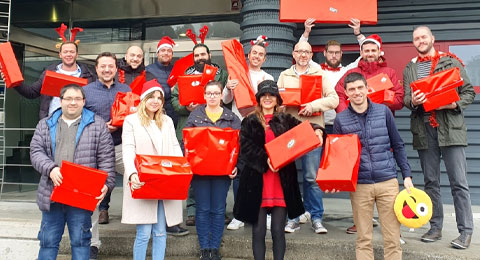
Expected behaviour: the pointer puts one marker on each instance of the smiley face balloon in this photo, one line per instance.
(413, 210)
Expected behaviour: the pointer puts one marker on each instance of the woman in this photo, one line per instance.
(262, 188)
(149, 131)
(211, 191)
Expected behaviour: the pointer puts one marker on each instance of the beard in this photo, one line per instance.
(334, 65)
(200, 64)
(427, 50)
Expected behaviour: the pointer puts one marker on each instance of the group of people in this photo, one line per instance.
(76, 127)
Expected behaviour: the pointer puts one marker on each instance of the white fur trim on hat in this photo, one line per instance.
(150, 90)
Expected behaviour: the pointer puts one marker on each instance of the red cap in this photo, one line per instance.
(374, 38)
(165, 42)
(149, 87)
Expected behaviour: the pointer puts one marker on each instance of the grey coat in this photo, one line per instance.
(93, 148)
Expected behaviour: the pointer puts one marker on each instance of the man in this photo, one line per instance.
(256, 57)
(68, 53)
(312, 195)
(333, 61)
(77, 135)
(201, 56)
(377, 176)
(372, 64)
(161, 70)
(440, 134)
(130, 66)
(100, 96)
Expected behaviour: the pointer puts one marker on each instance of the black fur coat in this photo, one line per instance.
(252, 164)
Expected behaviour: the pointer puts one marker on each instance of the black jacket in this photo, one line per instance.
(125, 73)
(33, 91)
(252, 164)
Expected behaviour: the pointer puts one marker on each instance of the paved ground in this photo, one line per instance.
(20, 221)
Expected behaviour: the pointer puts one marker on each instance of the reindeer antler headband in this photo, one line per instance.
(260, 39)
(202, 35)
(73, 32)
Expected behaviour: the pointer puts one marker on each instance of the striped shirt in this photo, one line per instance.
(423, 70)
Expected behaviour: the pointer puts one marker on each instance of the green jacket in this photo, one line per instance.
(182, 111)
(452, 129)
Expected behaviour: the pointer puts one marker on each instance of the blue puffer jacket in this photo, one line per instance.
(377, 161)
(93, 148)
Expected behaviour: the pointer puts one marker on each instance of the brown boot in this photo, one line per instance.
(352, 230)
(103, 217)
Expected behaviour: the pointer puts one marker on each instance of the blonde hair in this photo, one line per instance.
(142, 111)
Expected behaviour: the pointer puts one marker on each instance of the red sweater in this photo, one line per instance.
(368, 70)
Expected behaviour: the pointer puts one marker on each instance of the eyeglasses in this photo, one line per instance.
(213, 94)
(334, 53)
(70, 99)
(301, 52)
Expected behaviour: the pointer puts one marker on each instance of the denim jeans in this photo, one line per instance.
(119, 168)
(78, 222)
(456, 167)
(159, 232)
(210, 195)
(312, 195)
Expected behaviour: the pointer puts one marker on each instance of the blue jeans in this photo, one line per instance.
(78, 222)
(211, 196)
(456, 167)
(159, 232)
(312, 195)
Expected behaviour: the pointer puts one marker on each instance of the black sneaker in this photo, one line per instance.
(215, 255)
(462, 242)
(205, 254)
(93, 252)
(177, 231)
(432, 235)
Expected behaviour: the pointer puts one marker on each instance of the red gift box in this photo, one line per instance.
(439, 88)
(137, 84)
(165, 177)
(379, 89)
(340, 161)
(190, 90)
(211, 150)
(338, 11)
(238, 69)
(179, 69)
(124, 105)
(80, 186)
(290, 96)
(11, 72)
(208, 74)
(310, 90)
(291, 145)
(54, 82)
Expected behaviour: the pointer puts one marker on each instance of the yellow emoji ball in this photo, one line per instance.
(413, 210)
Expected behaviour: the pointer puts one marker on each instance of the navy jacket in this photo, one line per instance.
(378, 136)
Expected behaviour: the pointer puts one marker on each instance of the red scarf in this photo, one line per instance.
(121, 76)
(327, 67)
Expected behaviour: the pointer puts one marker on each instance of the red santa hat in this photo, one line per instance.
(149, 87)
(374, 38)
(165, 42)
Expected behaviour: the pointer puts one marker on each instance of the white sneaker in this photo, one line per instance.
(269, 221)
(305, 217)
(319, 228)
(375, 222)
(235, 224)
(402, 242)
(292, 226)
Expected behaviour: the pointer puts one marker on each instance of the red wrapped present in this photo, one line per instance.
(238, 69)
(208, 74)
(439, 88)
(310, 90)
(211, 150)
(340, 161)
(137, 84)
(80, 186)
(11, 71)
(338, 11)
(190, 90)
(291, 145)
(165, 177)
(290, 96)
(379, 89)
(124, 105)
(179, 69)
(54, 82)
